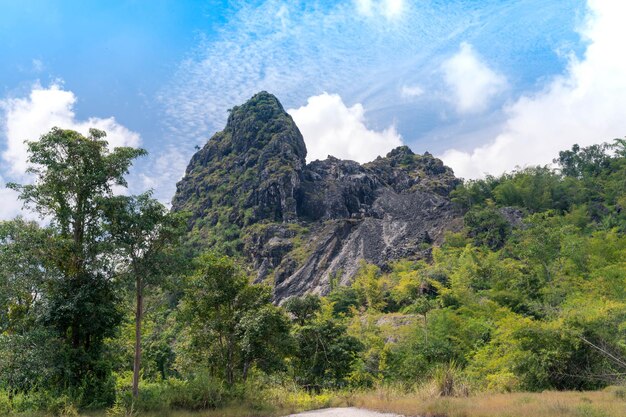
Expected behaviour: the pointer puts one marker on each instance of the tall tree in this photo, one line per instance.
(232, 325)
(23, 271)
(145, 236)
(74, 179)
(25, 360)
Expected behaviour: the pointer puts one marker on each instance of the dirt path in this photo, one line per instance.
(343, 412)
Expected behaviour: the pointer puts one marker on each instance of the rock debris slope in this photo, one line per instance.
(306, 227)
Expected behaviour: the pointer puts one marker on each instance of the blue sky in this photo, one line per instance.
(114, 55)
(473, 81)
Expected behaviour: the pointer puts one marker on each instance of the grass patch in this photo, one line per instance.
(606, 403)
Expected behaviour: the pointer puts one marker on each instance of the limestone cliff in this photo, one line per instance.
(250, 193)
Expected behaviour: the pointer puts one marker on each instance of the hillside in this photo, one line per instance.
(308, 226)
(505, 284)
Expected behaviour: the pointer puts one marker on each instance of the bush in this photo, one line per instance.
(119, 409)
(22, 402)
(487, 227)
(288, 399)
(200, 393)
(153, 396)
(587, 410)
(449, 382)
(620, 393)
(5, 403)
(63, 406)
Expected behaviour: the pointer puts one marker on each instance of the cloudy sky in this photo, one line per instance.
(487, 85)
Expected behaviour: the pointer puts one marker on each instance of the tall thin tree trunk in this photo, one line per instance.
(246, 366)
(75, 335)
(230, 374)
(138, 317)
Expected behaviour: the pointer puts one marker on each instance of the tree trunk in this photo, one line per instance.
(75, 335)
(246, 366)
(138, 317)
(230, 374)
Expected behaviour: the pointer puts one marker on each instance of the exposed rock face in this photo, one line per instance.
(247, 173)
(396, 226)
(513, 216)
(251, 193)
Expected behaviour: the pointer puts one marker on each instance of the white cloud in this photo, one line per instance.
(364, 7)
(411, 91)
(10, 206)
(166, 169)
(296, 50)
(388, 8)
(393, 8)
(330, 127)
(283, 16)
(471, 82)
(585, 105)
(29, 117)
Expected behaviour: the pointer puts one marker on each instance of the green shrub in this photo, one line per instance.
(153, 396)
(449, 381)
(5, 403)
(62, 406)
(119, 409)
(32, 401)
(199, 393)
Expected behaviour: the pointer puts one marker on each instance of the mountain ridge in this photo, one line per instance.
(250, 192)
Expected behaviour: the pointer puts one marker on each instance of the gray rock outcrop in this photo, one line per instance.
(305, 226)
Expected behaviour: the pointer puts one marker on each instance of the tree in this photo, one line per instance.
(536, 189)
(145, 236)
(264, 339)
(486, 226)
(369, 287)
(232, 324)
(589, 161)
(74, 180)
(23, 271)
(303, 308)
(325, 353)
(422, 306)
(474, 192)
(25, 344)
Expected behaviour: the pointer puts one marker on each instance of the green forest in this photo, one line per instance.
(104, 304)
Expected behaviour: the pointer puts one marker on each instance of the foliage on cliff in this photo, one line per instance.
(245, 174)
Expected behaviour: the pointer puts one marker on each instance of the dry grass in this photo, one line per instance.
(607, 403)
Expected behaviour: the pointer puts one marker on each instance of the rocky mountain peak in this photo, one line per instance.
(247, 173)
(251, 194)
(400, 152)
(405, 171)
(263, 122)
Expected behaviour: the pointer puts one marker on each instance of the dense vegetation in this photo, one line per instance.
(104, 307)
